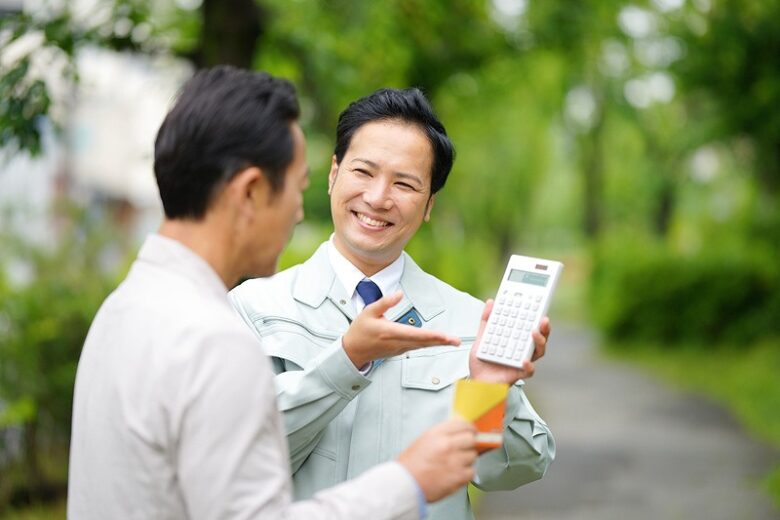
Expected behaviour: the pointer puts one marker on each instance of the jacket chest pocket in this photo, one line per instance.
(427, 382)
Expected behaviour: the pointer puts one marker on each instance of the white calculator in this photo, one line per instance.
(522, 300)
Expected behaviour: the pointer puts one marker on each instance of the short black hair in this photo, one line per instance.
(407, 105)
(224, 120)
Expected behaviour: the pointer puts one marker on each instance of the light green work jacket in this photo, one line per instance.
(339, 422)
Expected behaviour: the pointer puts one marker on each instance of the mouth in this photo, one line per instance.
(370, 222)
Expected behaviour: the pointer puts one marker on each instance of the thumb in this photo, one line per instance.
(485, 316)
(379, 307)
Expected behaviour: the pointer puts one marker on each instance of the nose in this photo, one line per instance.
(377, 194)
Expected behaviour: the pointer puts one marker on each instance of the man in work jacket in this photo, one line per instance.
(349, 403)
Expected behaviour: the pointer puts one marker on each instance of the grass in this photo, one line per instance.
(744, 378)
(49, 512)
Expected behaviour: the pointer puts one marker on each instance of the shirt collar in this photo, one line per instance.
(388, 279)
(172, 255)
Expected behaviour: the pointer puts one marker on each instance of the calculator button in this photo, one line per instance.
(539, 298)
(500, 300)
(528, 326)
(523, 315)
(492, 349)
(491, 328)
(483, 347)
(516, 334)
(525, 336)
(507, 332)
(536, 307)
(527, 305)
(510, 323)
(505, 311)
(514, 313)
(518, 354)
(504, 342)
(502, 321)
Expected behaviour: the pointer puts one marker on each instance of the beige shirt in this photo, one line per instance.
(174, 413)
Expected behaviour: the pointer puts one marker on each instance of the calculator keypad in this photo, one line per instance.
(507, 337)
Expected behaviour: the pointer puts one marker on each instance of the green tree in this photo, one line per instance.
(44, 317)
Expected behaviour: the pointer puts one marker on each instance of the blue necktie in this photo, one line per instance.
(368, 291)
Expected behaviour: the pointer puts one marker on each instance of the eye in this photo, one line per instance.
(363, 173)
(405, 186)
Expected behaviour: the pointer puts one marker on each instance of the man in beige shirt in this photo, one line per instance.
(174, 414)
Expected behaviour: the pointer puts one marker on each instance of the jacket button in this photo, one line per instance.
(355, 387)
(412, 321)
(343, 302)
(435, 381)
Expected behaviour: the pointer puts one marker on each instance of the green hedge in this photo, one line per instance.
(44, 318)
(644, 292)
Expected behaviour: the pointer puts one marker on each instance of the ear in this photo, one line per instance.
(334, 170)
(247, 190)
(429, 207)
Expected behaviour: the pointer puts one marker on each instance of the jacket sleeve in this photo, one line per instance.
(386, 491)
(309, 399)
(527, 450)
(310, 390)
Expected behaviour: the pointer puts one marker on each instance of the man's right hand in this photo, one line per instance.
(442, 459)
(372, 336)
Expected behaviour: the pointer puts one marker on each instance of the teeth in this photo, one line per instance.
(370, 221)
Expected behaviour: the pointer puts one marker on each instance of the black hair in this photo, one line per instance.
(224, 120)
(407, 105)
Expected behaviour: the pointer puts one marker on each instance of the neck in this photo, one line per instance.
(208, 241)
(369, 266)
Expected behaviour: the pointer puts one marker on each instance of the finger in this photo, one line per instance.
(383, 304)
(485, 316)
(529, 369)
(414, 337)
(486, 311)
(540, 345)
(545, 327)
(463, 441)
(459, 424)
(464, 458)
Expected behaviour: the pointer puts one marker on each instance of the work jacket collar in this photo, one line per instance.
(316, 282)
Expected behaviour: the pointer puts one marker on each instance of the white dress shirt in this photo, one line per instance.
(174, 412)
(388, 279)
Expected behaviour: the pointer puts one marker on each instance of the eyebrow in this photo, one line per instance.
(402, 175)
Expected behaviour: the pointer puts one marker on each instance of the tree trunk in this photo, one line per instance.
(231, 29)
(32, 466)
(591, 165)
(665, 209)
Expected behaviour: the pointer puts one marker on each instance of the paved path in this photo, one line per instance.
(630, 448)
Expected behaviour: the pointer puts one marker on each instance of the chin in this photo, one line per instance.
(262, 271)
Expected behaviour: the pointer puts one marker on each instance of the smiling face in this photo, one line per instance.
(380, 193)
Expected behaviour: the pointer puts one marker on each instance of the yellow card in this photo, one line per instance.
(483, 404)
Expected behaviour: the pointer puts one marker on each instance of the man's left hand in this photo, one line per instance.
(495, 373)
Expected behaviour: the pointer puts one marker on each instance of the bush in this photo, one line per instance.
(45, 312)
(646, 293)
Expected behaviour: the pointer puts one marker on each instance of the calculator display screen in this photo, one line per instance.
(516, 275)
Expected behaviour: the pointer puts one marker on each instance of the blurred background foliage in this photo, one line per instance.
(638, 141)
